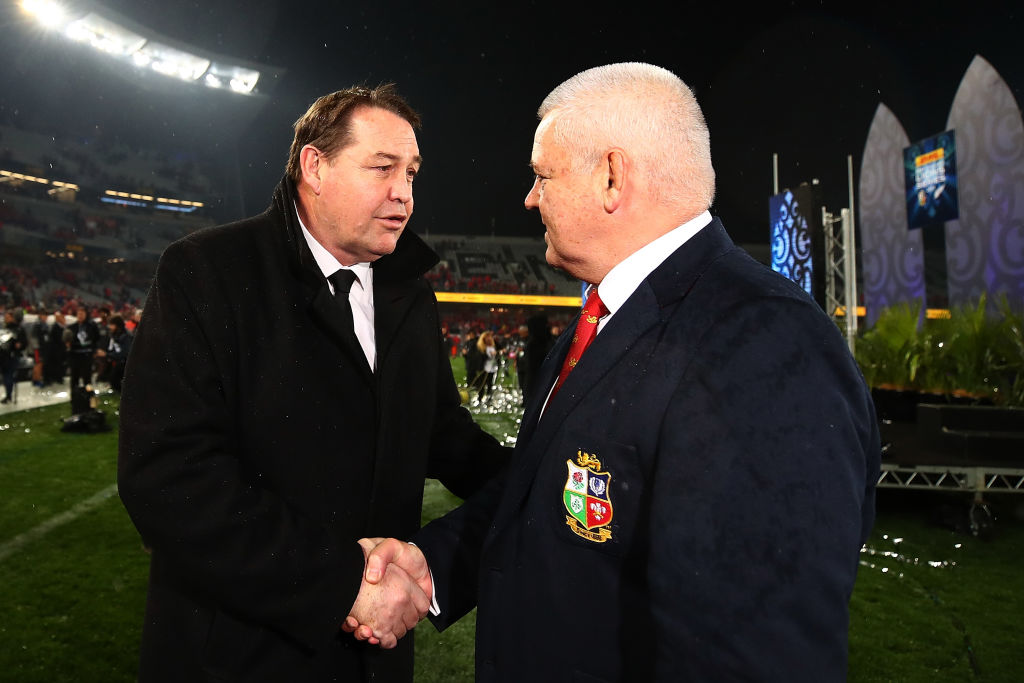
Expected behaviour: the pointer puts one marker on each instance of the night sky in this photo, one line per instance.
(798, 79)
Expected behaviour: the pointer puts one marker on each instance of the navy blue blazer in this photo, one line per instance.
(692, 504)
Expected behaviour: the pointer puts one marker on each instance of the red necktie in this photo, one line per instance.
(586, 329)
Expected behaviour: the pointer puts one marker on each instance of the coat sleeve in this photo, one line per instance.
(180, 473)
(762, 494)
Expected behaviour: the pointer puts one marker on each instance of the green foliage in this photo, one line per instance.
(890, 352)
(977, 352)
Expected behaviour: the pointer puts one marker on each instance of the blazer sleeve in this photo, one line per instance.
(762, 495)
(180, 473)
(453, 546)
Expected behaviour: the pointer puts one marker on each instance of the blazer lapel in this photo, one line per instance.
(666, 285)
(545, 379)
(641, 312)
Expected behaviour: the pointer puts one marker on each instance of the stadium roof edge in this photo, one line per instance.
(270, 74)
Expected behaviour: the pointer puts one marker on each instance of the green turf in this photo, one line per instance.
(935, 605)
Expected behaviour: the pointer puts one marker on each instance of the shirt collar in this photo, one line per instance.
(622, 280)
(326, 261)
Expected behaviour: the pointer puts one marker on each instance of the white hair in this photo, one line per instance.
(647, 111)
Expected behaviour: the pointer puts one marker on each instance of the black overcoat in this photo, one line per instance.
(256, 447)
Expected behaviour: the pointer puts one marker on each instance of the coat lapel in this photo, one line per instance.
(324, 310)
(391, 302)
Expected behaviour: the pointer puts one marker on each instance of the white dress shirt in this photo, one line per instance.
(623, 279)
(361, 299)
(360, 296)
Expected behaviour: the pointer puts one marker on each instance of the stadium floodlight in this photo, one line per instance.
(104, 35)
(141, 47)
(240, 80)
(169, 61)
(48, 13)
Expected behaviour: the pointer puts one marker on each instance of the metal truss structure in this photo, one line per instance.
(841, 271)
(976, 480)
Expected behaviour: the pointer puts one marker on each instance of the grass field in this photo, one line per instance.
(931, 603)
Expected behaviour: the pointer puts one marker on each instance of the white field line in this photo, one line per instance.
(35, 533)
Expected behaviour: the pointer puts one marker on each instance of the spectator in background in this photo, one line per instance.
(100, 365)
(474, 361)
(82, 337)
(13, 342)
(55, 352)
(39, 338)
(119, 342)
(538, 342)
(131, 323)
(487, 349)
(515, 349)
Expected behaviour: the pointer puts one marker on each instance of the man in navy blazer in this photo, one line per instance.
(691, 505)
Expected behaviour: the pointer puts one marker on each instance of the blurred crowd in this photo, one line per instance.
(73, 347)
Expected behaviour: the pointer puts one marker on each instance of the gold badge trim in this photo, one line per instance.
(601, 534)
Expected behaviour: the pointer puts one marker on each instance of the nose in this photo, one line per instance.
(532, 196)
(401, 189)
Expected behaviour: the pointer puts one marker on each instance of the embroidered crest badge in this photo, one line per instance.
(586, 498)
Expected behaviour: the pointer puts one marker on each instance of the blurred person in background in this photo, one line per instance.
(13, 342)
(538, 343)
(487, 348)
(119, 343)
(55, 352)
(474, 360)
(82, 337)
(38, 340)
(100, 364)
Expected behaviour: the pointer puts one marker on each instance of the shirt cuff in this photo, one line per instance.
(434, 609)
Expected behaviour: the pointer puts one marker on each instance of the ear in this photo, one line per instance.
(614, 164)
(309, 163)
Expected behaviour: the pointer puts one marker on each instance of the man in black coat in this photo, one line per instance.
(55, 352)
(267, 426)
(13, 342)
(82, 337)
(691, 504)
(114, 354)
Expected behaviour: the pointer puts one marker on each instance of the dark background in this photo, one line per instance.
(798, 79)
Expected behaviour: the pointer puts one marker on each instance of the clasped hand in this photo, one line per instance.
(394, 593)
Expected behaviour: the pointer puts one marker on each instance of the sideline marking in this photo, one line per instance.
(21, 540)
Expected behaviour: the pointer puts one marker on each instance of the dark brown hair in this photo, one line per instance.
(326, 125)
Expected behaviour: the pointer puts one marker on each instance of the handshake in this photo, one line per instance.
(395, 592)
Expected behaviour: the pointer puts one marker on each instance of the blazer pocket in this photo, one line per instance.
(595, 492)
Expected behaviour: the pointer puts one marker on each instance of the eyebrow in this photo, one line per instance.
(418, 159)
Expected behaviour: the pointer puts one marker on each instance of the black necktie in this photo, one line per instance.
(342, 280)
